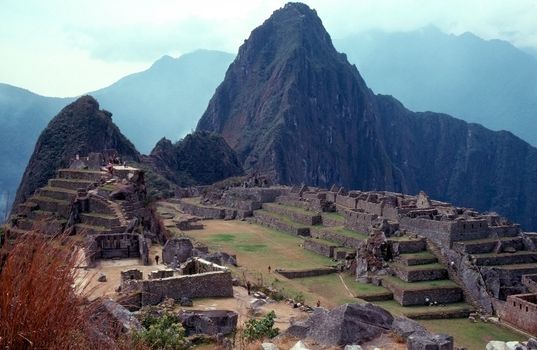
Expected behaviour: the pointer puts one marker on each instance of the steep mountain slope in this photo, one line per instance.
(167, 99)
(293, 107)
(199, 158)
(23, 115)
(490, 82)
(80, 128)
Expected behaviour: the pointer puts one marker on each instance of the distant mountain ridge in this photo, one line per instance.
(167, 99)
(293, 107)
(490, 82)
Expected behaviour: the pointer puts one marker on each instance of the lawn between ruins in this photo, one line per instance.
(298, 249)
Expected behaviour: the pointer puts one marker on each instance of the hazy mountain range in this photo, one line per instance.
(490, 82)
(482, 81)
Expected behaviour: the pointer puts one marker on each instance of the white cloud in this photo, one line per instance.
(70, 47)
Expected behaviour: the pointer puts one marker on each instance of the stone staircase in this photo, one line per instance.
(421, 279)
(509, 256)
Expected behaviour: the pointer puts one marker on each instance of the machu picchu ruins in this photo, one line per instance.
(291, 206)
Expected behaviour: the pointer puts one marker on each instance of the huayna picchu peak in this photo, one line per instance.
(80, 128)
(293, 107)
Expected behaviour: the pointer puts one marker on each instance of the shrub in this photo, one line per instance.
(162, 332)
(38, 306)
(262, 328)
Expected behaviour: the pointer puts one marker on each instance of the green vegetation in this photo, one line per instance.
(162, 332)
(421, 284)
(260, 329)
(251, 247)
(282, 218)
(334, 216)
(422, 267)
(224, 237)
(419, 255)
(472, 336)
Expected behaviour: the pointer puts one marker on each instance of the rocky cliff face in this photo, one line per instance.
(293, 107)
(80, 128)
(200, 158)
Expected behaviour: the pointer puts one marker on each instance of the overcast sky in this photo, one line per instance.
(66, 48)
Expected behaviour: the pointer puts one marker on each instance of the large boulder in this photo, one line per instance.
(180, 247)
(209, 322)
(430, 342)
(124, 318)
(346, 324)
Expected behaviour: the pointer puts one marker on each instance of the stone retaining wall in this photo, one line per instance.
(417, 297)
(306, 272)
(308, 218)
(329, 220)
(325, 233)
(277, 224)
(320, 247)
(408, 246)
(412, 275)
(359, 221)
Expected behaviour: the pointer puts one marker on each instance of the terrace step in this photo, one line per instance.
(455, 310)
(321, 246)
(37, 215)
(416, 293)
(295, 214)
(417, 273)
(25, 224)
(339, 234)
(96, 219)
(421, 258)
(487, 245)
(70, 184)
(75, 174)
(520, 257)
(58, 193)
(91, 229)
(406, 244)
(333, 219)
(59, 206)
(279, 222)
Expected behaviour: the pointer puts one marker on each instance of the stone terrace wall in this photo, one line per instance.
(202, 211)
(359, 221)
(305, 218)
(320, 247)
(417, 297)
(306, 272)
(521, 311)
(277, 224)
(327, 234)
(446, 232)
(204, 285)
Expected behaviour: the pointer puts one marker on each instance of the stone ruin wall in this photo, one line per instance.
(327, 234)
(359, 221)
(207, 280)
(204, 285)
(306, 272)
(521, 311)
(320, 247)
